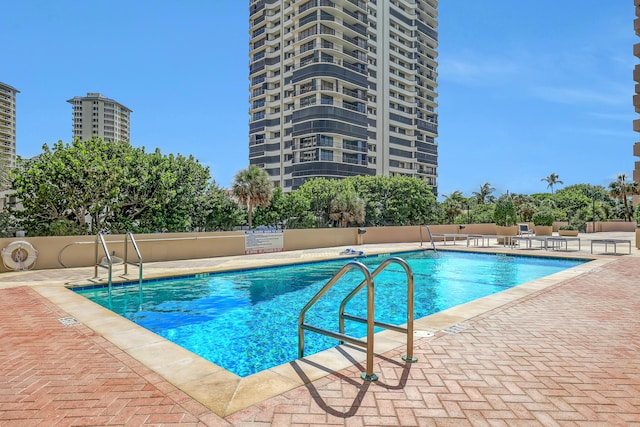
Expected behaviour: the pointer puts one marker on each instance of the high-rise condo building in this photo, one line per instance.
(636, 99)
(343, 87)
(7, 126)
(97, 115)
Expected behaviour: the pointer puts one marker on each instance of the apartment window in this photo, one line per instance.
(325, 141)
(309, 100)
(307, 46)
(326, 155)
(326, 100)
(326, 86)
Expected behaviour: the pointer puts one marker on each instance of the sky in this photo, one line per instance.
(525, 89)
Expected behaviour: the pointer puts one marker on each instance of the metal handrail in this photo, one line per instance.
(410, 297)
(100, 239)
(368, 344)
(433, 244)
(129, 235)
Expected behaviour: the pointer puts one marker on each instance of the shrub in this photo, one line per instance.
(505, 212)
(543, 218)
(569, 227)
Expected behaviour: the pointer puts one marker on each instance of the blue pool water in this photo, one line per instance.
(246, 321)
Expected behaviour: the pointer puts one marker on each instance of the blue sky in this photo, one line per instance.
(525, 89)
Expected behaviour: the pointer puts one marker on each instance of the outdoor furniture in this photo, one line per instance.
(528, 240)
(453, 237)
(479, 238)
(607, 242)
(506, 240)
(558, 241)
(524, 230)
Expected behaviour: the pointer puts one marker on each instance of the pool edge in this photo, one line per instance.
(197, 377)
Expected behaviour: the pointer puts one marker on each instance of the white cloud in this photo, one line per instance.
(623, 117)
(581, 96)
(476, 70)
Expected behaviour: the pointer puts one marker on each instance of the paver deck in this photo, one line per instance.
(564, 354)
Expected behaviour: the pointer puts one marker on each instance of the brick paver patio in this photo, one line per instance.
(52, 374)
(568, 356)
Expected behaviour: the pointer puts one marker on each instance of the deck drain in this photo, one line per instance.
(423, 334)
(68, 321)
(454, 329)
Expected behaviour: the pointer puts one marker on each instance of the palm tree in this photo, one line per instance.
(252, 188)
(452, 205)
(552, 180)
(347, 207)
(622, 189)
(484, 195)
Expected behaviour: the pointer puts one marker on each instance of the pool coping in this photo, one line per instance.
(226, 393)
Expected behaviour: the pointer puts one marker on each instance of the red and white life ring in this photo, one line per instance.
(19, 255)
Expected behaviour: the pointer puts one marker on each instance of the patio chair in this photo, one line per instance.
(524, 230)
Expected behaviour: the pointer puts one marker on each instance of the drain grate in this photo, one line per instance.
(454, 329)
(68, 321)
(423, 334)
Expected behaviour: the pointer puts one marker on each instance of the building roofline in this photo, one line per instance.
(98, 96)
(10, 87)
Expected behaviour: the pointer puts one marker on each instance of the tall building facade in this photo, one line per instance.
(636, 100)
(97, 115)
(7, 126)
(343, 87)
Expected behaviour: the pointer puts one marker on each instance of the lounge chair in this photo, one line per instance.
(524, 230)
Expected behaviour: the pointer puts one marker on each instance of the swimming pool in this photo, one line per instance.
(246, 321)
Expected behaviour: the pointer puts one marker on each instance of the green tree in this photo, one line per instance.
(347, 207)
(505, 211)
(570, 200)
(4, 171)
(484, 195)
(319, 192)
(552, 180)
(622, 189)
(252, 188)
(90, 186)
(290, 210)
(452, 205)
(7, 225)
(397, 200)
(220, 211)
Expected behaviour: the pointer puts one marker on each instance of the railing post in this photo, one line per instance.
(126, 258)
(409, 356)
(95, 267)
(369, 375)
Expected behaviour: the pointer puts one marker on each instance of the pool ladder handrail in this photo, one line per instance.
(129, 236)
(368, 375)
(109, 266)
(101, 241)
(408, 330)
(433, 244)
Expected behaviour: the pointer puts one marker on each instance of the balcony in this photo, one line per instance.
(354, 93)
(636, 150)
(359, 3)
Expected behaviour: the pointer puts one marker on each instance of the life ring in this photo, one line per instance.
(19, 255)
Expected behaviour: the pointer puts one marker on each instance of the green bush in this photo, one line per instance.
(543, 217)
(505, 212)
(569, 227)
